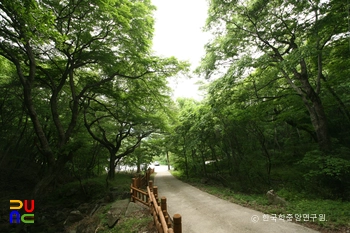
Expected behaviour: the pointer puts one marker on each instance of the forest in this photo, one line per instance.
(79, 87)
(277, 111)
(82, 92)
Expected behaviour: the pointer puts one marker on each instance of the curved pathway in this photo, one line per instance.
(204, 213)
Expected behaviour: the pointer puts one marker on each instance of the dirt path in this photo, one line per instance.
(202, 212)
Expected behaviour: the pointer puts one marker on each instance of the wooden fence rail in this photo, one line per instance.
(162, 220)
(136, 187)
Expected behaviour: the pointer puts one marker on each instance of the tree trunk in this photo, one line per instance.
(186, 162)
(167, 159)
(315, 108)
(138, 162)
(203, 164)
(313, 105)
(45, 149)
(319, 122)
(44, 183)
(111, 172)
(193, 156)
(50, 175)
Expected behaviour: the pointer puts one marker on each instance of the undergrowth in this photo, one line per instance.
(74, 193)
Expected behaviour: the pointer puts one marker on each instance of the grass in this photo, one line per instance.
(337, 213)
(140, 221)
(133, 224)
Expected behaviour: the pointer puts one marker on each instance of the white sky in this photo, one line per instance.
(178, 32)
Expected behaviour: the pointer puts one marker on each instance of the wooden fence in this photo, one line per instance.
(162, 220)
(142, 181)
(139, 183)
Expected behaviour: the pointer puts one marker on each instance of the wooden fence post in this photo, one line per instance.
(134, 193)
(150, 184)
(177, 223)
(139, 181)
(163, 206)
(155, 192)
(148, 175)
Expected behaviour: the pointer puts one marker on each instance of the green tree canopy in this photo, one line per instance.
(289, 37)
(64, 51)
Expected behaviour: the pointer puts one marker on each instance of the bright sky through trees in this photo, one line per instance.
(178, 32)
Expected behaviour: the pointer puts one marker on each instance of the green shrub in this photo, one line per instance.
(327, 174)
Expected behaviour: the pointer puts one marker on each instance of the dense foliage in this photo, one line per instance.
(81, 91)
(277, 113)
(79, 85)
